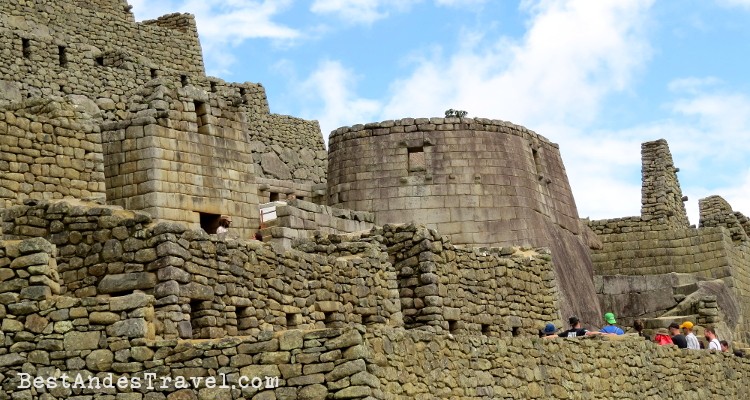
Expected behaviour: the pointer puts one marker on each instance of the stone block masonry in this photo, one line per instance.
(481, 182)
(659, 242)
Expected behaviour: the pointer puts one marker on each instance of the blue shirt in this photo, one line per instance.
(612, 329)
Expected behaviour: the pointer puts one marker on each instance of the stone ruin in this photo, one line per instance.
(415, 258)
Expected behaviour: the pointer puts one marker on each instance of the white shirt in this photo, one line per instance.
(221, 229)
(692, 341)
(714, 345)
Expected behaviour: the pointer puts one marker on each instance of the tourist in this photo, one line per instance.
(677, 338)
(692, 341)
(549, 330)
(638, 325)
(724, 346)
(224, 223)
(611, 328)
(662, 337)
(576, 329)
(713, 341)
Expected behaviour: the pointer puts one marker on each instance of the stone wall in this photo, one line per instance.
(421, 365)
(209, 286)
(660, 242)
(48, 335)
(288, 149)
(481, 182)
(182, 154)
(48, 150)
(300, 219)
(92, 49)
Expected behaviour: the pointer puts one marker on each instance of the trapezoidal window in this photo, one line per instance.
(210, 222)
(100, 61)
(184, 80)
(273, 196)
(200, 113)
(416, 159)
(26, 48)
(154, 73)
(62, 55)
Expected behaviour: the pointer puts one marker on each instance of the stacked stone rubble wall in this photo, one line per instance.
(48, 151)
(661, 195)
(288, 148)
(62, 48)
(45, 335)
(421, 365)
(210, 286)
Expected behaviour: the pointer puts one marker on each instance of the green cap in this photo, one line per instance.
(610, 318)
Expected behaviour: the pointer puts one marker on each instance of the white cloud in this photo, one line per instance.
(734, 3)
(223, 23)
(573, 54)
(693, 84)
(460, 3)
(360, 11)
(332, 86)
(708, 133)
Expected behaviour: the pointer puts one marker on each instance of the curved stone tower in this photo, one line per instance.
(481, 182)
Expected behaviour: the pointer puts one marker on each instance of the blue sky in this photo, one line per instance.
(597, 77)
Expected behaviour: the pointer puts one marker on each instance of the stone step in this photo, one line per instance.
(664, 322)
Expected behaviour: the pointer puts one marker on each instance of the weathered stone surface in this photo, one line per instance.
(81, 341)
(127, 282)
(131, 328)
(130, 301)
(8, 360)
(36, 323)
(313, 392)
(99, 360)
(274, 167)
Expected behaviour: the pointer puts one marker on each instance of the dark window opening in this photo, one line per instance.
(100, 60)
(452, 326)
(196, 306)
(243, 92)
(213, 87)
(154, 73)
(485, 329)
(242, 317)
(328, 318)
(274, 196)
(537, 163)
(300, 198)
(291, 320)
(184, 80)
(62, 54)
(26, 47)
(210, 222)
(200, 112)
(515, 331)
(416, 159)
